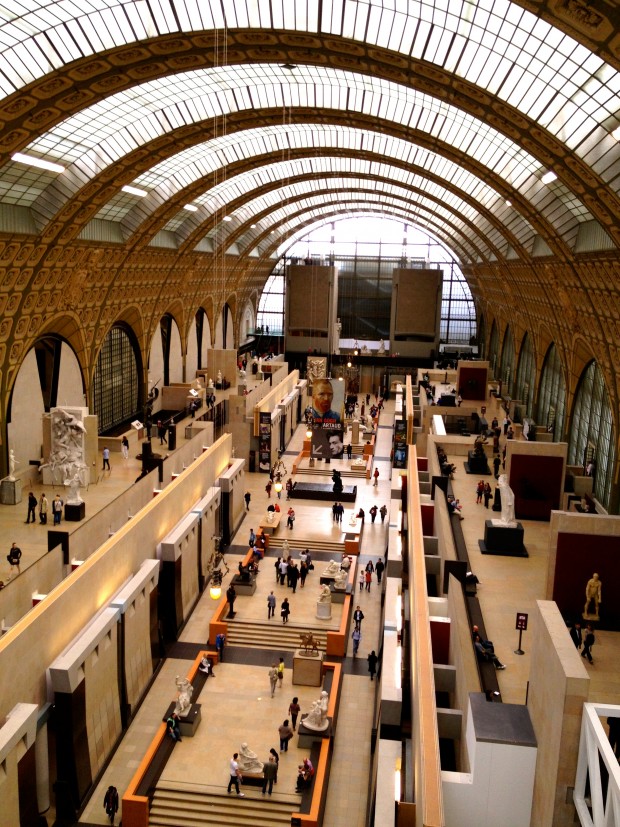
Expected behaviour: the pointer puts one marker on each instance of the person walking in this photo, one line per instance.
(373, 513)
(488, 494)
(252, 538)
(358, 616)
(106, 458)
(110, 803)
(32, 508)
(285, 609)
(125, 447)
(588, 642)
(362, 580)
(220, 642)
(294, 577)
(303, 573)
(161, 432)
(247, 497)
(376, 478)
(293, 710)
(270, 772)
(172, 727)
(368, 579)
(43, 505)
(286, 733)
(273, 678)
(479, 491)
(14, 556)
(290, 518)
(235, 775)
(268, 489)
(576, 635)
(57, 509)
(496, 463)
(357, 636)
(372, 664)
(349, 450)
(283, 570)
(335, 512)
(383, 512)
(271, 605)
(281, 673)
(379, 568)
(231, 596)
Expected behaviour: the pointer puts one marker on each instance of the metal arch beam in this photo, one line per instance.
(72, 218)
(238, 231)
(408, 215)
(167, 211)
(48, 101)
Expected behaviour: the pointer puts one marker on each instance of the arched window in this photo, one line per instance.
(592, 432)
(271, 305)
(115, 385)
(508, 360)
(551, 406)
(493, 349)
(526, 375)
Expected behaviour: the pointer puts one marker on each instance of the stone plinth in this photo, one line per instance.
(338, 595)
(503, 539)
(188, 724)
(74, 512)
(477, 464)
(244, 587)
(10, 492)
(307, 670)
(308, 736)
(324, 610)
(271, 527)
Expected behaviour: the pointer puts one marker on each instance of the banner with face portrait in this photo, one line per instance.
(327, 418)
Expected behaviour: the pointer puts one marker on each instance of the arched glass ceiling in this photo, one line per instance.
(201, 160)
(496, 45)
(287, 198)
(130, 119)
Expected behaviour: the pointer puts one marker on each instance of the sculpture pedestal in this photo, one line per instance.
(308, 736)
(188, 723)
(10, 492)
(74, 512)
(327, 579)
(477, 464)
(244, 587)
(338, 595)
(307, 670)
(324, 610)
(502, 539)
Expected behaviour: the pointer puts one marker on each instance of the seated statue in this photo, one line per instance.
(332, 569)
(337, 480)
(210, 385)
(248, 760)
(345, 565)
(270, 516)
(219, 377)
(325, 595)
(184, 699)
(317, 717)
(340, 581)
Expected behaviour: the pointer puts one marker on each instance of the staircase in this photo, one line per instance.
(326, 470)
(193, 805)
(329, 546)
(273, 635)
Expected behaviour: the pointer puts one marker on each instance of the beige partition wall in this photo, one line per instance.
(312, 302)
(559, 685)
(224, 361)
(416, 310)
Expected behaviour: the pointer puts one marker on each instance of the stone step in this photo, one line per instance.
(189, 806)
(326, 470)
(295, 547)
(273, 635)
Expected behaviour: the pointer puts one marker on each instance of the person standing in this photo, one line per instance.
(588, 642)
(32, 508)
(271, 605)
(293, 710)
(110, 803)
(270, 771)
(273, 678)
(370, 567)
(488, 493)
(285, 609)
(361, 514)
(125, 446)
(286, 733)
(358, 616)
(376, 477)
(496, 463)
(268, 489)
(383, 512)
(290, 518)
(106, 458)
(281, 673)
(479, 491)
(576, 635)
(172, 725)
(379, 568)
(161, 432)
(368, 579)
(283, 570)
(43, 504)
(220, 642)
(349, 451)
(303, 573)
(252, 538)
(57, 509)
(372, 664)
(357, 636)
(231, 596)
(14, 556)
(362, 580)
(335, 512)
(247, 497)
(235, 775)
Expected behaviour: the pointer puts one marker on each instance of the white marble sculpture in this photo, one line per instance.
(285, 549)
(332, 569)
(248, 760)
(317, 719)
(184, 698)
(340, 581)
(508, 502)
(73, 484)
(210, 385)
(270, 516)
(325, 595)
(365, 350)
(381, 350)
(67, 447)
(352, 518)
(12, 463)
(219, 377)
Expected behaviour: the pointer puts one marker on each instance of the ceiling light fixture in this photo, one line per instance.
(135, 191)
(616, 133)
(20, 158)
(508, 203)
(190, 208)
(548, 177)
(227, 218)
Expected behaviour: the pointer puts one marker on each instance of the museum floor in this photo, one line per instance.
(237, 705)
